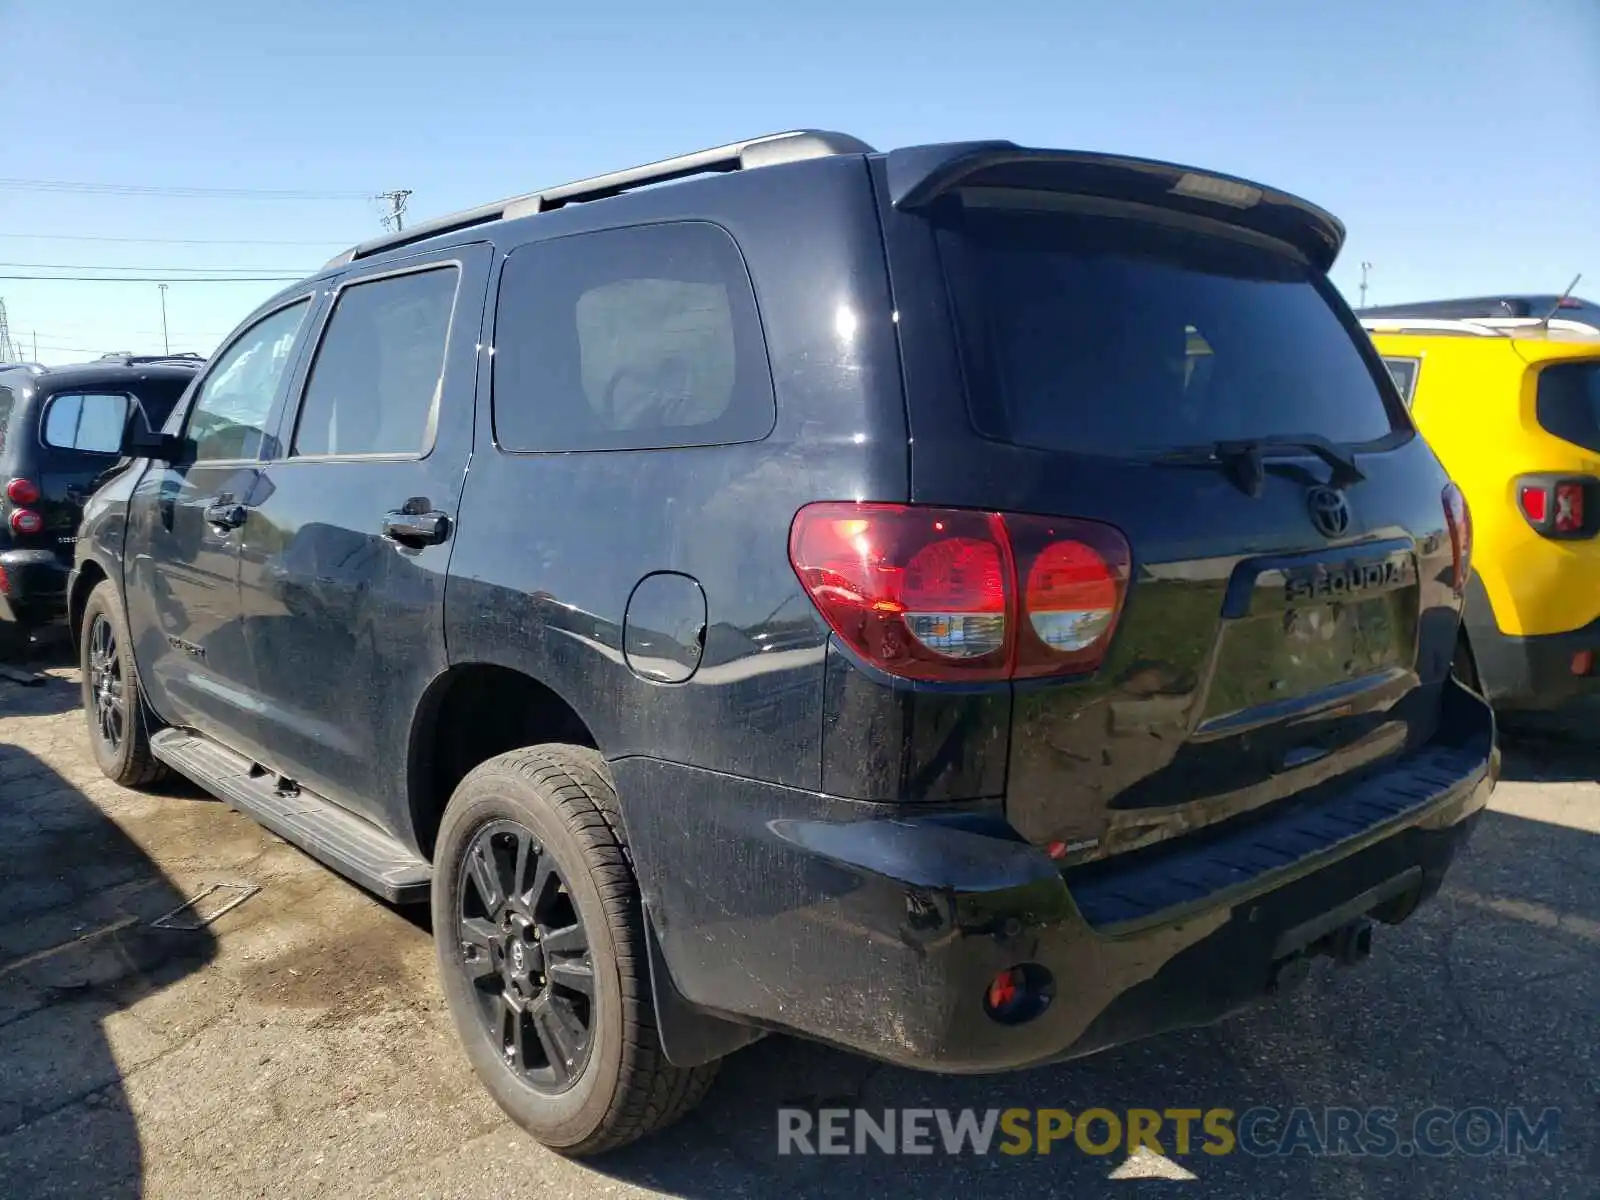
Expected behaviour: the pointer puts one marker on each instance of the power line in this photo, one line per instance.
(185, 193)
(87, 237)
(38, 266)
(149, 279)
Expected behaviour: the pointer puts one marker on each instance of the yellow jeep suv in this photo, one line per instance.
(1511, 405)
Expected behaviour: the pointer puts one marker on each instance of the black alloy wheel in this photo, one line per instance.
(525, 950)
(108, 715)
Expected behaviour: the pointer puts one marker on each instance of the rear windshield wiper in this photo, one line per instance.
(1244, 458)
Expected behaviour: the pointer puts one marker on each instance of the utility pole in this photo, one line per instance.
(395, 218)
(166, 342)
(35, 345)
(1365, 267)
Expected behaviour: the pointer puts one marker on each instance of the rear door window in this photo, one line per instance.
(376, 378)
(1568, 403)
(1105, 335)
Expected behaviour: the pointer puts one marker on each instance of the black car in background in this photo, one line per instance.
(61, 429)
(971, 605)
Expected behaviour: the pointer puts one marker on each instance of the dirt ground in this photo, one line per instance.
(299, 1046)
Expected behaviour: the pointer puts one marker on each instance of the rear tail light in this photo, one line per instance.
(1556, 506)
(1458, 519)
(26, 521)
(951, 594)
(22, 491)
(1535, 502)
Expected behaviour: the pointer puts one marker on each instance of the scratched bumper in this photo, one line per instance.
(859, 926)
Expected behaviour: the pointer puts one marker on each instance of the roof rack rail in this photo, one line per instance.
(1431, 325)
(187, 357)
(766, 151)
(1480, 326)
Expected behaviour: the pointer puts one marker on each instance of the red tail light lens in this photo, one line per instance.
(25, 520)
(1458, 519)
(1535, 502)
(1075, 576)
(929, 593)
(22, 491)
(1569, 508)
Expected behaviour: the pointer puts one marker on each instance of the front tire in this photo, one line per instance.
(112, 699)
(539, 929)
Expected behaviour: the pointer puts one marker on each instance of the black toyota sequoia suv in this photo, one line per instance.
(969, 605)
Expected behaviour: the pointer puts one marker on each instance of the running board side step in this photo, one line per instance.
(353, 847)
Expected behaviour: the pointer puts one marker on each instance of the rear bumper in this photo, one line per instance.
(35, 588)
(881, 934)
(1529, 675)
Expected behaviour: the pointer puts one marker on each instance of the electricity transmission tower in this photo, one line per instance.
(9, 351)
(394, 219)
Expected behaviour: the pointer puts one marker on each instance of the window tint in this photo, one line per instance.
(6, 401)
(377, 374)
(229, 416)
(629, 338)
(1120, 337)
(1404, 373)
(1568, 403)
(88, 421)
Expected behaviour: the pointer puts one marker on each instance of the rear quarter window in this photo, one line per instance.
(1404, 372)
(1568, 402)
(625, 339)
(7, 403)
(1106, 335)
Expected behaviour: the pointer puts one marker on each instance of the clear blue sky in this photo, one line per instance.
(1459, 140)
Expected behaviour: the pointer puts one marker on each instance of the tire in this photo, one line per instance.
(620, 1086)
(110, 684)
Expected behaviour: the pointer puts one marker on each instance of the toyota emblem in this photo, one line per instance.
(1330, 511)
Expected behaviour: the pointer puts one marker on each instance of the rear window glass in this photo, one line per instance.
(1110, 336)
(158, 397)
(1568, 404)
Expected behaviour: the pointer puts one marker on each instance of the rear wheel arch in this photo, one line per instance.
(468, 715)
(88, 577)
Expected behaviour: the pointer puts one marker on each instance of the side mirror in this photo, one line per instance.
(139, 442)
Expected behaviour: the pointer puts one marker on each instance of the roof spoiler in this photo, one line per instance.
(919, 175)
(766, 151)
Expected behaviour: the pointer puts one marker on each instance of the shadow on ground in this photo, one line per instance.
(1484, 999)
(54, 685)
(1549, 758)
(77, 898)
